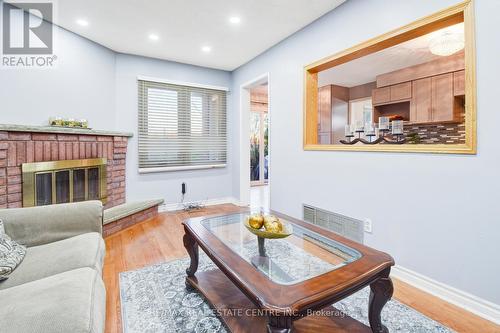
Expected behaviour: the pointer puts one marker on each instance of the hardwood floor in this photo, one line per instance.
(160, 239)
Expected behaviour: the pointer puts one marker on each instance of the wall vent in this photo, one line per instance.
(343, 225)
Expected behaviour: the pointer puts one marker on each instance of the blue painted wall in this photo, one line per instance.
(439, 214)
(80, 86)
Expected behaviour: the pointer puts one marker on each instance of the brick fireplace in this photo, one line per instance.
(19, 145)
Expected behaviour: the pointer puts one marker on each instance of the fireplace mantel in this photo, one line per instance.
(61, 130)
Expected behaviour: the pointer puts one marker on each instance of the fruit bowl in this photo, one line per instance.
(262, 232)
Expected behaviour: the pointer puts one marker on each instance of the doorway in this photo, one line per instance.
(255, 172)
(259, 136)
(259, 146)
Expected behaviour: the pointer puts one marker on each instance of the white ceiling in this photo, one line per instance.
(365, 69)
(184, 26)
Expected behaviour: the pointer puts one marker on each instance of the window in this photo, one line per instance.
(424, 104)
(181, 127)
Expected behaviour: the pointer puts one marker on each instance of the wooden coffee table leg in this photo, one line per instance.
(280, 324)
(381, 292)
(192, 249)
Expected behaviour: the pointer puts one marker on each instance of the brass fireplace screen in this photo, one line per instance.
(46, 183)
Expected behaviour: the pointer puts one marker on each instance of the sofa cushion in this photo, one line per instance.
(34, 226)
(11, 254)
(73, 301)
(85, 250)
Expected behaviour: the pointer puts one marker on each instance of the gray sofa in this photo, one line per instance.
(58, 286)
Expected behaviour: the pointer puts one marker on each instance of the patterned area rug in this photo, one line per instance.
(154, 300)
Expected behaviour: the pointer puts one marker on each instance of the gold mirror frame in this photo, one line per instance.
(462, 12)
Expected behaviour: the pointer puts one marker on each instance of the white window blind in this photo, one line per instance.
(181, 127)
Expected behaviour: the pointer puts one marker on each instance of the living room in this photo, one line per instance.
(137, 194)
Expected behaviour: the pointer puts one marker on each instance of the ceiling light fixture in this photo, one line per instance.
(235, 19)
(206, 49)
(154, 37)
(82, 22)
(447, 43)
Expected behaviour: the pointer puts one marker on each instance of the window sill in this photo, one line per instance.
(181, 168)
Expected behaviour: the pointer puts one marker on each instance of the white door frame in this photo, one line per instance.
(244, 195)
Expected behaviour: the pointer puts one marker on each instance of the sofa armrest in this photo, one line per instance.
(45, 224)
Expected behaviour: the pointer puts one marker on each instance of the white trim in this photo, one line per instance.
(209, 202)
(180, 83)
(244, 143)
(464, 300)
(269, 138)
(181, 168)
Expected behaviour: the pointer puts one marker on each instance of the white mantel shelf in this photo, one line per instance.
(61, 130)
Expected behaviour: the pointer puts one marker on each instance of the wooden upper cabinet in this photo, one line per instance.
(421, 104)
(401, 91)
(325, 109)
(391, 94)
(381, 95)
(442, 98)
(433, 100)
(332, 112)
(459, 83)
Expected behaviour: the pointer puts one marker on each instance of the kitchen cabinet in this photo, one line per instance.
(381, 95)
(421, 105)
(325, 109)
(433, 100)
(459, 83)
(442, 98)
(391, 94)
(401, 91)
(332, 113)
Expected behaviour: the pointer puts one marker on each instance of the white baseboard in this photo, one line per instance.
(464, 300)
(168, 207)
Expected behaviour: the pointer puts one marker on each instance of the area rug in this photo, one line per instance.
(154, 299)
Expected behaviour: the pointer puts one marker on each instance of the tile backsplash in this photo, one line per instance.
(445, 133)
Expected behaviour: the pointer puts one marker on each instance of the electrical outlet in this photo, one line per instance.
(368, 225)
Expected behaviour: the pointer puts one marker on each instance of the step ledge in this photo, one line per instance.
(121, 211)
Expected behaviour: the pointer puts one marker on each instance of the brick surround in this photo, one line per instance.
(17, 148)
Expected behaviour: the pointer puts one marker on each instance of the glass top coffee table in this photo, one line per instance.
(279, 285)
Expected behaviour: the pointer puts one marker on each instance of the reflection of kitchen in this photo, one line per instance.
(407, 82)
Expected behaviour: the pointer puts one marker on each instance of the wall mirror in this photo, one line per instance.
(409, 90)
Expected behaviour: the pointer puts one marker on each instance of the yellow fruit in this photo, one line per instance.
(280, 225)
(274, 228)
(273, 224)
(256, 221)
(268, 219)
